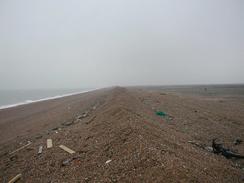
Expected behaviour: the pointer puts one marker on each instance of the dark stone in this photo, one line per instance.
(13, 158)
(68, 123)
(238, 141)
(38, 137)
(55, 129)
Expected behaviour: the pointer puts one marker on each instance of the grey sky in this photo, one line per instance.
(78, 43)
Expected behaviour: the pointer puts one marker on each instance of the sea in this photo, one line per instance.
(12, 98)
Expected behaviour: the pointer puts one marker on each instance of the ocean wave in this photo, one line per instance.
(43, 99)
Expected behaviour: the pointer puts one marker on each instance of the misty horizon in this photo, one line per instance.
(78, 44)
(125, 86)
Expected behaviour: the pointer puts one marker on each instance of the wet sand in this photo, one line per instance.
(117, 137)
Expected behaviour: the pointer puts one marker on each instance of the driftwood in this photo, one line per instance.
(67, 149)
(207, 148)
(197, 144)
(49, 143)
(15, 179)
(29, 143)
(220, 149)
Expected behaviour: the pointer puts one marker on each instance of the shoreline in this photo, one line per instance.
(108, 127)
(36, 117)
(43, 99)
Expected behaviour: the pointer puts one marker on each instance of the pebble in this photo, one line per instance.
(66, 162)
(209, 149)
(38, 137)
(108, 161)
(40, 149)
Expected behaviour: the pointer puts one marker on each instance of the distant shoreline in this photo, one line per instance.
(42, 99)
(170, 88)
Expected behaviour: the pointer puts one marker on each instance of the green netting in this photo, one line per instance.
(161, 113)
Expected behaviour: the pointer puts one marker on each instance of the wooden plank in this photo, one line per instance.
(67, 149)
(49, 143)
(29, 143)
(16, 178)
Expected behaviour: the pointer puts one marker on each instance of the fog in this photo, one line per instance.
(77, 43)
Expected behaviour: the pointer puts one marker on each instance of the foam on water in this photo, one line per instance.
(43, 99)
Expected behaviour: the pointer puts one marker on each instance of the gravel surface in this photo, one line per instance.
(117, 137)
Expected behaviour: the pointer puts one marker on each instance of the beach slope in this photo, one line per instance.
(118, 136)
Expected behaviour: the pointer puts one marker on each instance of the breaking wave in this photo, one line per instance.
(43, 99)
